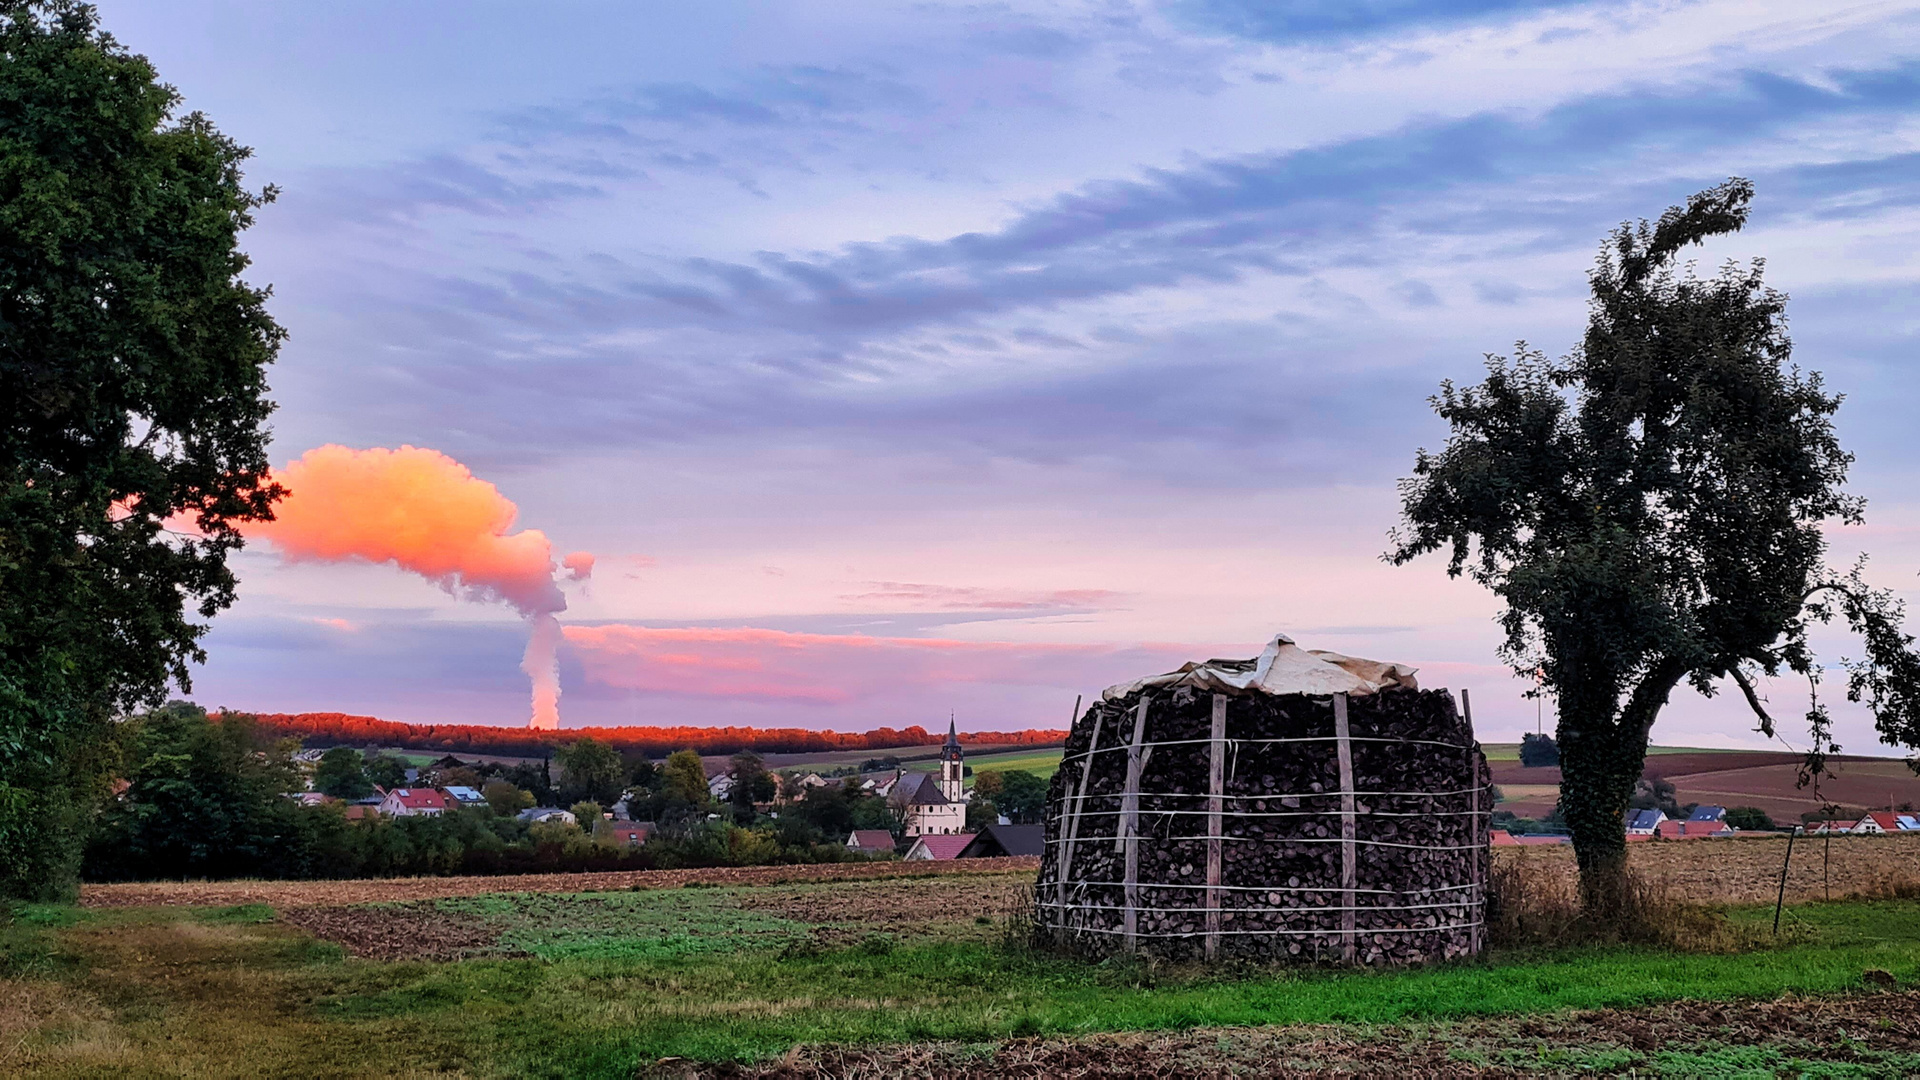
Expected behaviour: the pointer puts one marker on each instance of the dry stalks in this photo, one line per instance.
(1533, 905)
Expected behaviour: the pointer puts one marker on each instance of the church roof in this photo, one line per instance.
(918, 789)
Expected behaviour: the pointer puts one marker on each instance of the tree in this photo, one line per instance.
(505, 799)
(1749, 817)
(1022, 798)
(1649, 508)
(1538, 751)
(591, 770)
(752, 783)
(204, 800)
(684, 778)
(132, 382)
(386, 771)
(340, 775)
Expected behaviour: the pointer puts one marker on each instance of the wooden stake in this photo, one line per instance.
(1073, 815)
(1216, 805)
(1477, 836)
(1130, 828)
(1349, 866)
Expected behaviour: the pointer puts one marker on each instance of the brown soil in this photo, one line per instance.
(1852, 1030)
(291, 894)
(1766, 779)
(397, 933)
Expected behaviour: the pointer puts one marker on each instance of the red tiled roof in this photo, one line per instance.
(944, 847)
(419, 798)
(871, 840)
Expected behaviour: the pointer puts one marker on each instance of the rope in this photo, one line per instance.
(1272, 933)
(1258, 742)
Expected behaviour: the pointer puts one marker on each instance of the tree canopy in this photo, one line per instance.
(1650, 509)
(133, 383)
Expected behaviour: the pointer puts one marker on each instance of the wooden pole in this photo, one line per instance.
(1216, 805)
(1349, 867)
(1477, 835)
(1781, 900)
(1130, 828)
(1065, 868)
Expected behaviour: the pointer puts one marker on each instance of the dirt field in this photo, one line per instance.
(1868, 1035)
(286, 894)
(1766, 779)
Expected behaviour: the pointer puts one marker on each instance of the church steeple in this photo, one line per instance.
(952, 767)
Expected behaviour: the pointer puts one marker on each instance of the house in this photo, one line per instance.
(464, 796)
(870, 841)
(413, 802)
(311, 798)
(1708, 813)
(1819, 827)
(540, 815)
(1693, 830)
(1501, 838)
(1644, 822)
(720, 785)
(1885, 821)
(999, 841)
(930, 847)
(631, 833)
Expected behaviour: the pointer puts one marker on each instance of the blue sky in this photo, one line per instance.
(1100, 330)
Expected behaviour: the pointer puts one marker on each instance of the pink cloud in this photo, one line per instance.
(749, 662)
(971, 598)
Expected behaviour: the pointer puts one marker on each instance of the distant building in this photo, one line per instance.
(631, 833)
(925, 808)
(543, 814)
(413, 802)
(1831, 826)
(938, 848)
(1644, 822)
(1708, 813)
(464, 796)
(1693, 830)
(999, 841)
(1885, 821)
(870, 841)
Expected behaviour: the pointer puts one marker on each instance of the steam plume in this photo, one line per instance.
(426, 513)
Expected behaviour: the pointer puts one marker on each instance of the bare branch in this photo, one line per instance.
(1753, 699)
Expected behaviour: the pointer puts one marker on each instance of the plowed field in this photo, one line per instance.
(1871, 1035)
(285, 894)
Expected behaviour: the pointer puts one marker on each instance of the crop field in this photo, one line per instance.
(1766, 779)
(786, 972)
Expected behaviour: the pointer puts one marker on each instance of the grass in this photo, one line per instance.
(224, 991)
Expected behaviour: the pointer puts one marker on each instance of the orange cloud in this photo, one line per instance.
(426, 513)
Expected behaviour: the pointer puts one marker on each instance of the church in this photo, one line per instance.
(934, 807)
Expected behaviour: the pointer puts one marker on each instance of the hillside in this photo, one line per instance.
(1764, 778)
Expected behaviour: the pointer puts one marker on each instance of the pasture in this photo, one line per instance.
(812, 971)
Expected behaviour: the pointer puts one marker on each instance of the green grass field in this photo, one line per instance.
(598, 984)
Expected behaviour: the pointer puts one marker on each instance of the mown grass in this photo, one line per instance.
(224, 992)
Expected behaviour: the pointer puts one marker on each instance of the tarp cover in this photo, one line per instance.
(1282, 668)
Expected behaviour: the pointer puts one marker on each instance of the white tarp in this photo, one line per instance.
(1282, 668)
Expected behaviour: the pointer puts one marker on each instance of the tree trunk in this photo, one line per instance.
(1601, 758)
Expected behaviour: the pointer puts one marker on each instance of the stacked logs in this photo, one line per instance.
(1409, 887)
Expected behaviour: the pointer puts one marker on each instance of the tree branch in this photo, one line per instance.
(1753, 699)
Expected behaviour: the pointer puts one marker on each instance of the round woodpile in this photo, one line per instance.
(1193, 821)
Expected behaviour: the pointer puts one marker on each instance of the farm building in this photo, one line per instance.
(870, 841)
(998, 841)
(1301, 805)
(938, 847)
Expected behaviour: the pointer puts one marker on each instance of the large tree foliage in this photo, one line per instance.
(1650, 510)
(132, 379)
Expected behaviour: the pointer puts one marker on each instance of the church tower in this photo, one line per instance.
(951, 784)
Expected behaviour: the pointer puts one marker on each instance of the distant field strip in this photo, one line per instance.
(305, 893)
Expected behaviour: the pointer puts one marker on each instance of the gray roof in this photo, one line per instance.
(996, 840)
(918, 789)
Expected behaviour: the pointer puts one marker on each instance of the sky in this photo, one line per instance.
(899, 362)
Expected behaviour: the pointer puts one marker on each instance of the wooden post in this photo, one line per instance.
(1781, 900)
(1216, 805)
(1476, 836)
(1130, 828)
(1349, 865)
(1065, 869)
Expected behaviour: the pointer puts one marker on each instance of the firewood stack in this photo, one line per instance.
(1281, 882)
